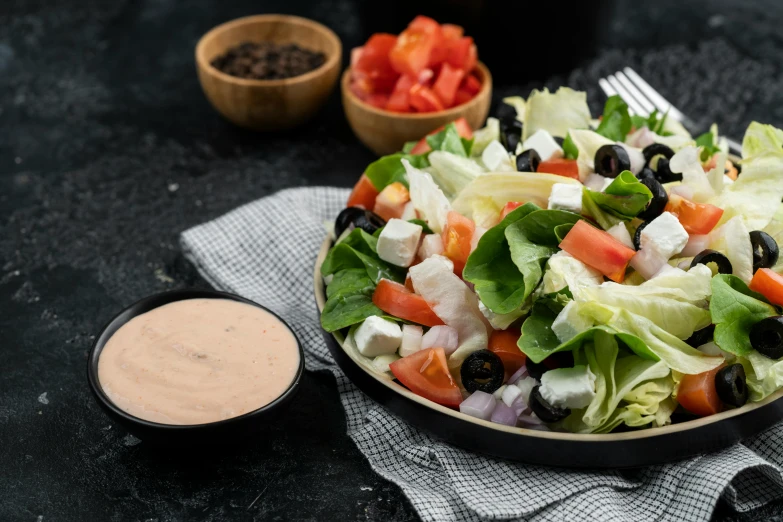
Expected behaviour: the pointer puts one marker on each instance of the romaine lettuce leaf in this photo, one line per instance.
(563, 271)
(359, 250)
(428, 199)
(733, 240)
(615, 123)
(452, 172)
(624, 198)
(761, 140)
(485, 135)
(555, 112)
(389, 169)
(449, 140)
(735, 309)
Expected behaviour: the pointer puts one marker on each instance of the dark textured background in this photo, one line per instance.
(108, 150)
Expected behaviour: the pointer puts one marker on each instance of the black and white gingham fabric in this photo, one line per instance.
(247, 252)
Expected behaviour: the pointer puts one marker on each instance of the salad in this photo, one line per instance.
(560, 272)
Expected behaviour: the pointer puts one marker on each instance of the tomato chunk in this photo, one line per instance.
(504, 344)
(399, 101)
(411, 54)
(390, 203)
(446, 85)
(451, 31)
(560, 166)
(462, 96)
(457, 237)
(598, 249)
(394, 299)
(769, 284)
(472, 84)
(508, 208)
(424, 24)
(463, 129)
(424, 100)
(698, 395)
(373, 62)
(363, 194)
(695, 218)
(459, 51)
(472, 60)
(426, 373)
(378, 99)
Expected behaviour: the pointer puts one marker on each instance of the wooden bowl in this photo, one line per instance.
(268, 104)
(385, 132)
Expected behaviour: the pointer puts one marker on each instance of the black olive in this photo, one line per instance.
(731, 386)
(766, 337)
(560, 141)
(506, 112)
(528, 161)
(611, 160)
(543, 410)
(482, 371)
(664, 174)
(703, 336)
(511, 135)
(658, 202)
(535, 370)
(656, 158)
(637, 236)
(705, 257)
(358, 217)
(646, 173)
(765, 250)
(656, 149)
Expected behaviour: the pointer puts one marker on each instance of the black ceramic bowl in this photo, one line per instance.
(225, 431)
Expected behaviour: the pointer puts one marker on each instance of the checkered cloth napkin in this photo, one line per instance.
(250, 253)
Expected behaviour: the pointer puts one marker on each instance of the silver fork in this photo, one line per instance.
(642, 99)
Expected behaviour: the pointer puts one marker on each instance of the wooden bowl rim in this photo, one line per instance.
(485, 92)
(320, 299)
(333, 58)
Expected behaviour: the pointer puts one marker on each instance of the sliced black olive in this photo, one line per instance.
(358, 217)
(656, 149)
(766, 337)
(705, 257)
(765, 250)
(703, 336)
(645, 173)
(731, 386)
(611, 160)
(535, 370)
(511, 135)
(656, 158)
(506, 112)
(637, 236)
(658, 202)
(528, 161)
(543, 410)
(482, 371)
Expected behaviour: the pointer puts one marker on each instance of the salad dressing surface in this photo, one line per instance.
(197, 361)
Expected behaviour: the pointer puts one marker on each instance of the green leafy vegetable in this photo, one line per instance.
(735, 309)
(408, 147)
(569, 148)
(485, 135)
(350, 281)
(708, 141)
(425, 228)
(452, 172)
(389, 169)
(562, 230)
(449, 140)
(555, 112)
(359, 250)
(349, 300)
(624, 198)
(467, 144)
(616, 123)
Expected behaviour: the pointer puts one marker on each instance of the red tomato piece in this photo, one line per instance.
(560, 166)
(698, 395)
(363, 194)
(378, 99)
(598, 249)
(374, 64)
(451, 31)
(424, 100)
(504, 344)
(446, 85)
(508, 208)
(769, 284)
(463, 129)
(457, 236)
(426, 374)
(411, 54)
(458, 51)
(356, 53)
(472, 84)
(390, 203)
(361, 87)
(472, 59)
(409, 283)
(462, 96)
(425, 24)
(394, 299)
(695, 218)
(399, 101)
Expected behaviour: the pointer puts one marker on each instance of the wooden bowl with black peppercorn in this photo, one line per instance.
(268, 72)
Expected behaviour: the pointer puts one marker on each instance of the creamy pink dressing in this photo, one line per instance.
(198, 361)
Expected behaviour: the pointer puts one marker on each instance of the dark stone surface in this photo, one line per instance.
(108, 150)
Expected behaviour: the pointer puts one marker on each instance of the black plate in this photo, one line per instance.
(613, 450)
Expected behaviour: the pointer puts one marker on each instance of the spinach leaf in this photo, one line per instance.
(707, 140)
(539, 226)
(623, 199)
(639, 121)
(341, 311)
(591, 208)
(389, 169)
(615, 123)
(562, 230)
(350, 281)
(425, 228)
(569, 148)
(449, 140)
(359, 250)
(735, 309)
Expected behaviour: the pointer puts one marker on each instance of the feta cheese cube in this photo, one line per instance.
(665, 235)
(431, 245)
(411, 339)
(543, 143)
(568, 387)
(382, 362)
(377, 336)
(566, 197)
(398, 242)
(526, 385)
(495, 157)
(621, 234)
(510, 394)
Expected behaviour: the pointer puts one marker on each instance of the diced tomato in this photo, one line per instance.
(451, 31)
(695, 218)
(374, 64)
(426, 76)
(472, 60)
(363, 194)
(409, 283)
(446, 85)
(598, 249)
(462, 96)
(769, 284)
(698, 395)
(560, 166)
(378, 99)
(399, 101)
(425, 24)
(458, 51)
(394, 299)
(356, 53)
(361, 87)
(411, 54)
(426, 374)
(390, 203)
(424, 100)
(457, 236)
(508, 208)
(504, 344)
(472, 84)
(463, 129)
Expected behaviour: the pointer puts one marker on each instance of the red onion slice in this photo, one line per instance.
(504, 415)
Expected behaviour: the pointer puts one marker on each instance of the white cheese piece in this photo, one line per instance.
(544, 144)
(510, 394)
(621, 234)
(569, 323)
(382, 362)
(665, 235)
(568, 387)
(377, 336)
(411, 339)
(495, 157)
(408, 211)
(431, 245)
(398, 242)
(566, 197)
(498, 394)
(526, 385)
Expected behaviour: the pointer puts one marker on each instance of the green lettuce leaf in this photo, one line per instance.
(359, 250)
(389, 169)
(735, 309)
(449, 140)
(624, 198)
(453, 172)
(615, 123)
(775, 229)
(764, 375)
(733, 240)
(565, 272)
(569, 148)
(484, 136)
(555, 112)
(761, 140)
(425, 228)
(709, 143)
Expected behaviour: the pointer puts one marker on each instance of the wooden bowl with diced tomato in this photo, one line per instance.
(400, 88)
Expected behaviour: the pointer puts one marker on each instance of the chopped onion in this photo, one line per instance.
(498, 394)
(480, 405)
(635, 155)
(526, 385)
(648, 262)
(441, 337)
(695, 245)
(431, 245)
(684, 191)
(522, 372)
(520, 405)
(641, 138)
(597, 182)
(408, 212)
(621, 234)
(510, 394)
(504, 415)
(411, 339)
